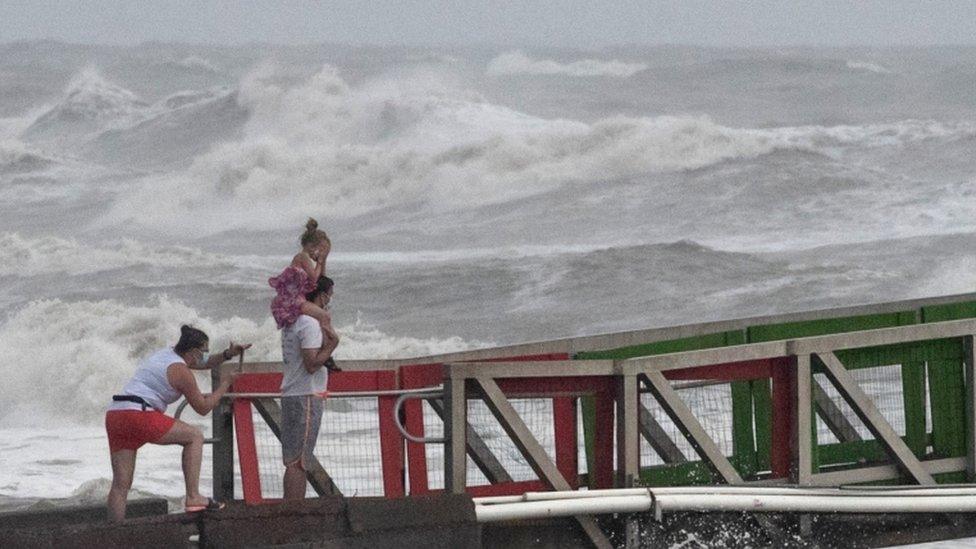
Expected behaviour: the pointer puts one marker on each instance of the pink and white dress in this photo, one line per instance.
(292, 285)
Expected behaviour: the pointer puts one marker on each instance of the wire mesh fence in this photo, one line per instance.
(882, 384)
(710, 404)
(535, 412)
(348, 447)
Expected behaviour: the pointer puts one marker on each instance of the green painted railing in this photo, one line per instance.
(935, 367)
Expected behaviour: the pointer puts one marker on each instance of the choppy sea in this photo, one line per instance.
(474, 197)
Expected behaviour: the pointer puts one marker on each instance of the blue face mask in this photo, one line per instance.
(204, 357)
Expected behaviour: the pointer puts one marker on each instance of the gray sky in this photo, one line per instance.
(568, 23)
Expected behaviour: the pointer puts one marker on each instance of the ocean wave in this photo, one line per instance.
(64, 360)
(188, 123)
(198, 63)
(426, 143)
(100, 120)
(25, 256)
(867, 67)
(516, 62)
(16, 158)
(90, 104)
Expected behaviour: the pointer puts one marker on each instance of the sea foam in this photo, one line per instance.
(517, 62)
(62, 361)
(424, 142)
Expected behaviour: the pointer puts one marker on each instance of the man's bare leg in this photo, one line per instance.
(294, 481)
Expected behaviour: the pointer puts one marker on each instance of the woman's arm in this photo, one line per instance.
(234, 349)
(181, 378)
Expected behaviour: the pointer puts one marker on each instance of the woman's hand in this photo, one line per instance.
(228, 376)
(235, 349)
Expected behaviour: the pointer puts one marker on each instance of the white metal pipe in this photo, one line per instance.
(907, 491)
(816, 504)
(562, 508)
(346, 394)
(834, 503)
(491, 500)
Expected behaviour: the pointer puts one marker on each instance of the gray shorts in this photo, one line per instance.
(301, 417)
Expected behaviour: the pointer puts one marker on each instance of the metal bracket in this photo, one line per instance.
(403, 430)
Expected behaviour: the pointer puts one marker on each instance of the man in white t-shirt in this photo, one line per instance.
(306, 348)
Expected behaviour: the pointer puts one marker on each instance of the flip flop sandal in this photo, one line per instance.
(212, 505)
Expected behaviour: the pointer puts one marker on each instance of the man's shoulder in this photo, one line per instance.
(303, 322)
(304, 332)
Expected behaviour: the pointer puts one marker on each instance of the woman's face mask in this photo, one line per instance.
(204, 356)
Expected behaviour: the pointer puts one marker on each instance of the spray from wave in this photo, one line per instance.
(867, 67)
(517, 62)
(22, 256)
(423, 142)
(62, 361)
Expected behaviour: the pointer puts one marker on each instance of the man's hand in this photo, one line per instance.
(330, 365)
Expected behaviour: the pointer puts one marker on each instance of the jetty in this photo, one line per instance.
(833, 428)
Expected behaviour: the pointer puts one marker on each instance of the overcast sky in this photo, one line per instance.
(528, 23)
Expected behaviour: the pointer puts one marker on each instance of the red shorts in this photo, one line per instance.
(130, 429)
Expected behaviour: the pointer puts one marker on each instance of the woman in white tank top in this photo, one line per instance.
(136, 415)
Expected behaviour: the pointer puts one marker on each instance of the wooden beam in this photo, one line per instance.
(875, 422)
(222, 424)
(803, 416)
(970, 370)
(533, 452)
(882, 336)
(628, 436)
(455, 429)
(831, 415)
(703, 357)
(318, 477)
(685, 420)
(538, 368)
(658, 438)
(482, 456)
(880, 473)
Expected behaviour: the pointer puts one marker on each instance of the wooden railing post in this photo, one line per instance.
(222, 421)
(803, 417)
(628, 435)
(455, 425)
(970, 369)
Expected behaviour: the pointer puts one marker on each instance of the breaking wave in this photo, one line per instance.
(90, 104)
(423, 142)
(16, 157)
(867, 66)
(197, 62)
(80, 352)
(516, 62)
(23, 256)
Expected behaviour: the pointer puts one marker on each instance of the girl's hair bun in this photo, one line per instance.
(311, 225)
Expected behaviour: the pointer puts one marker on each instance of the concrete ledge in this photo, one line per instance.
(61, 516)
(161, 531)
(446, 521)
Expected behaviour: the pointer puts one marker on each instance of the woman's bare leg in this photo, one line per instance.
(191, 439)
(123, 468)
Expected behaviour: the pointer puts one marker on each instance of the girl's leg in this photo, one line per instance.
(123, 468)
(316, 312)
(191, 439)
